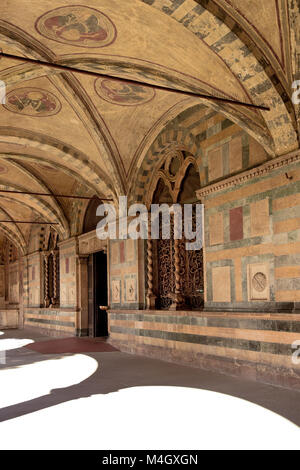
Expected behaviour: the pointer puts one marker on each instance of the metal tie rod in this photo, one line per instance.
(66, 68)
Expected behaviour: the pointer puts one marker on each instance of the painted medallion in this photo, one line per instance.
(122, 93)
(32, 102)
(77, 25)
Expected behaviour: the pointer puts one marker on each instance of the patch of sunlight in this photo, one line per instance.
(14, 343)
(26, 382)
(1, 333)
(152, 418)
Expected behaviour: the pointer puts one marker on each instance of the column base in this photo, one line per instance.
(151, 302)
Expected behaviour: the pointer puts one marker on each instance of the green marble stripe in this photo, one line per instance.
(261, 88)
(225, 156)
(215, 322)
(245, 151)
(226, 123)
(50, 322)
(294, 236)
(287, 260)
(240, 244)
(171, 8)
(231, 343)
(52, 313)
(288, 284)
(219, 45)
(285, 214)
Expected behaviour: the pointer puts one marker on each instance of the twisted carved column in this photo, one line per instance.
(150, 295)
(46, 281)
(177, 298)
(177, 267)
(55, 281)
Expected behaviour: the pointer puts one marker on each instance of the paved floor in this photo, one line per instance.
(71, 345)
(116, 371)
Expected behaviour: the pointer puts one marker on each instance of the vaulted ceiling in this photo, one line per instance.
(78, 134)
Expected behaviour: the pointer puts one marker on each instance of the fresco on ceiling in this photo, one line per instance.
(32, 102)
(122, 93)
(77, 25)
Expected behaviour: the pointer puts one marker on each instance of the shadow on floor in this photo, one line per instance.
(117, 370)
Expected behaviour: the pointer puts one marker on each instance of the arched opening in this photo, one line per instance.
(90, 219)
(179, 278)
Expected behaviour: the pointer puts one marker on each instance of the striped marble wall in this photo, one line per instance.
(53, 322)
(255, 346)
(252, 237)
(68, 273)
(225, 148)
(251, 321)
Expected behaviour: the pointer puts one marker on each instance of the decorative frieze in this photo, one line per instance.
(260, 171)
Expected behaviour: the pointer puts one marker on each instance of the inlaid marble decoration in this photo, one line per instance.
(236, 224)
(123, 93)
(32, 102)
(131, 288)
(116, 291)
(77, 25)
(258, 282)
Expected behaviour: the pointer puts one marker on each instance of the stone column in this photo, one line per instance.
(177, 298)
(55, 298)
(151, 298)
(46, 280)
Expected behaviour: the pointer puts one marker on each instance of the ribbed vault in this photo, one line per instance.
(87, 136)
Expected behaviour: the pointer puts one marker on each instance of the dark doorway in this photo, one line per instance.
(97, 274)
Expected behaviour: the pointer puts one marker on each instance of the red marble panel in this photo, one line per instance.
(236, 224)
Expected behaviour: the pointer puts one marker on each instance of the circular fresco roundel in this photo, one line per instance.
(77, 25)
(122, 93)
(32, 102)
